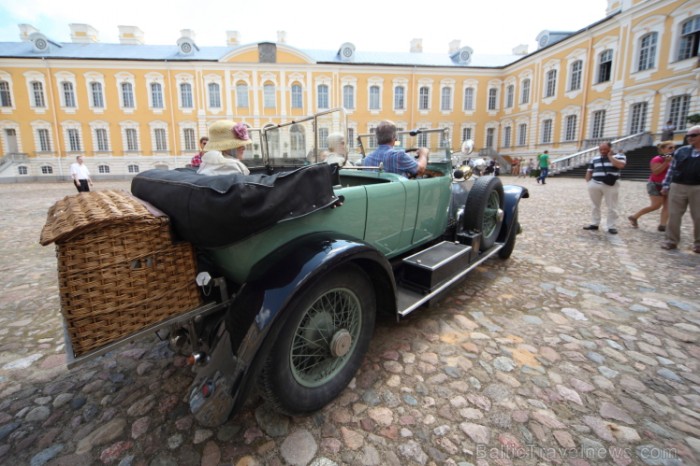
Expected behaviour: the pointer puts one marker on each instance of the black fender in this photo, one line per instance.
(256, 314)
(512, 195)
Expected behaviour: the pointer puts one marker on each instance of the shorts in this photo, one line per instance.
(654, 189)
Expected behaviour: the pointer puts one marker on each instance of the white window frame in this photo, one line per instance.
(469, 99)
(424, 98)
(44, 143)
(189, 139)
(679, 116)
(242, 94)
(646, 58)
(492, 99)
(66, 85)
(127, 129)
(399, 100)
(185, 95)
(510, 95)
(269, 95)
(547, 126)
(151, 80)
(638, 114)
(598, 117)
(214, 96)
(348, 96)
(522, 134)
(525, 91)
(101, 136)
(32, 77)
(507, 136)
(73, 137)
(374, 97)
(694, 30)
(159, 136)
(575, 76)
(323, 98)
(7, 79)
(447, 93)
(126, 78)
(570, 128)
(296, 96)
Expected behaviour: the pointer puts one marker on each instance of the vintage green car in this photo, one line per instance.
(305, 254)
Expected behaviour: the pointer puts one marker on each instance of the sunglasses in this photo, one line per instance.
(693, 135)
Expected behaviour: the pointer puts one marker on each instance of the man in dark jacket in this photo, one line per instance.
(682, 184)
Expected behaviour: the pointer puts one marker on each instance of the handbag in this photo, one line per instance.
(610, 180)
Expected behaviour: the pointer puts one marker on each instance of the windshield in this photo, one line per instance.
(303, 141)
(436, 140)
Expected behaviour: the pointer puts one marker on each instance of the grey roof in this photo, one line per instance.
(100, 51)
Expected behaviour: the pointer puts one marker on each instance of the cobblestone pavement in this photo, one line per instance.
(581, 349)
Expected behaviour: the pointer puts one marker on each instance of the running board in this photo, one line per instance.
(409, 300)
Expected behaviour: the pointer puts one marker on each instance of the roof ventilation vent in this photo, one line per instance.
(347, 52)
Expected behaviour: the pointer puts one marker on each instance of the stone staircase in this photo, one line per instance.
(637, 168)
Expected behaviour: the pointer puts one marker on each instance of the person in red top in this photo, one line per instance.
(197, 159)
(659, 167)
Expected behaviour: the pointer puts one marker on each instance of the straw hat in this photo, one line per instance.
(227, 134)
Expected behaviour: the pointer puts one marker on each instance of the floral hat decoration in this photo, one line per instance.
(226, 135)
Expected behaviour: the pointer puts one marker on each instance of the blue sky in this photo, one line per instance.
(489, 27)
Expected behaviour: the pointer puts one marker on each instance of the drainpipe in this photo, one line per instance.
(55, 116)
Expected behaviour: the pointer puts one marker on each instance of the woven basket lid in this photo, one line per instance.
(81, 213)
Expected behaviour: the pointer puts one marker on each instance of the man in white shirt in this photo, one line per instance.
(81, 175)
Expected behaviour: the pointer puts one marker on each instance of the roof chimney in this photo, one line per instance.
(281, 37)
(454, 46)
(520, 49)
(416, 45)
(188, 33)
(232, 38)
(25, 30)
(83, 34)
(130, 35)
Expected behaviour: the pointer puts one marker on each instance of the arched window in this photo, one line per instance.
(348, 97)
(551, 88)
(297, 100)
(214, 95)
(424, 98)
(269, 100)
(98, 100)
(690, 38)
(242, 95)
(186, 95)
(157, 95)
(374, 98)
(605, 66)
(576, 72)
(469, 98)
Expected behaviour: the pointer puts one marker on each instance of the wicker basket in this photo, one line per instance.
(118, 269)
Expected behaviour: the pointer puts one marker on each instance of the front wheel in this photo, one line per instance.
(507, 249)
(322, 343)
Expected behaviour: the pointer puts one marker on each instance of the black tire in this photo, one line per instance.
(507, 249)
(303, 350)
(483, 211)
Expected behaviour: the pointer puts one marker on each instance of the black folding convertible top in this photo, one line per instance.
(214, 211)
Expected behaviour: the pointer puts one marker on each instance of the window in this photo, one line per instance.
(103, 169)
(490, 133)
(214, 95)
(46, 170)
(269, 95)
(424, 98)
(493, 94)
(690, 39)
(510, 96)
(598, 124)
(399, 98)
(188, 136)
(133, 168)
(102, 141)
(525, 95)
(576, 72)
(605, 66)
(5, 96)
(551, 88)
(160, 139)
(186, 95)
(647, 52)
(374, 98)
(22, 170)
(68, 94)
(570, 125)
(323, 138)
(38, 94)
(44, 141)
(348, 97)
(242, 95)
(157, 95)
(546, 131)
(323, 96)
(73, 140)
(372, 140)
(469, 98)
(132, 140)
(98, 100)
(297, 141)
(446, 99)
(466, 134)
(351, 138)
(678, 110)
(639, 117)
(507, 136)
(423, 139)
(522, 134)
(127, 95)
(297, 97)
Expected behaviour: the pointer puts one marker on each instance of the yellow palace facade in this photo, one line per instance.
(130, 107)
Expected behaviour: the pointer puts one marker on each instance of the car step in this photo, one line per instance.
(427, 270)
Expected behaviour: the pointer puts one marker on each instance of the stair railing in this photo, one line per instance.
(584, 157)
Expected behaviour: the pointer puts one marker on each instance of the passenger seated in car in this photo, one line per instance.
(395, 160)
(338, 150)
(225, 149)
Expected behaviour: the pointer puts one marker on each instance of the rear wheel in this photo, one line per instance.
(483, 211)
(322, 343)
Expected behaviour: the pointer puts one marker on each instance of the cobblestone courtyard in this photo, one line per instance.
(582, 349)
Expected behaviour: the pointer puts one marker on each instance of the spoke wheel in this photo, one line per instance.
(321, 343)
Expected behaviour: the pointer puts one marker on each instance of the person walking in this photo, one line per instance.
(659, 167)
(543, 161)
(81, 175)
(603, 178)
(682, 183)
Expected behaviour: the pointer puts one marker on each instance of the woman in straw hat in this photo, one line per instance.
(225, 149)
